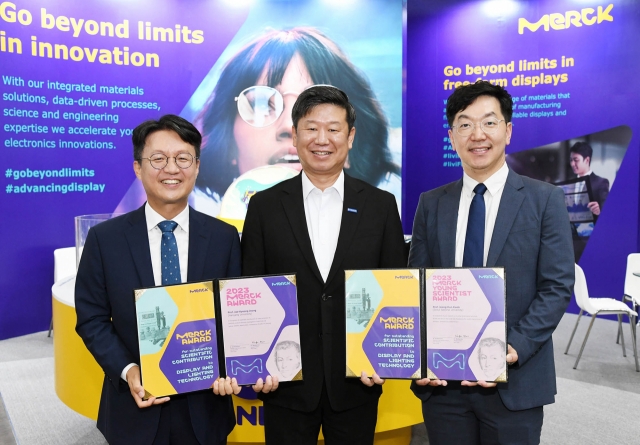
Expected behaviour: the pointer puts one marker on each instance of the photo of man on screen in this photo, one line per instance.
(581, 155)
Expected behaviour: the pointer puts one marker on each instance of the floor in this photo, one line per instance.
(592, 405)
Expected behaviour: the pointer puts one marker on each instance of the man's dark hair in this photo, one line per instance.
(583, 149)
(465, 95)
(185, 129)
(320, 95)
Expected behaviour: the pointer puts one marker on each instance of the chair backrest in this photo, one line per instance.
(581, 291)
(631, 281)
(64, 263)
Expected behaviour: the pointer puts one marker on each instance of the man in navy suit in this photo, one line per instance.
(526, 231)
(124, 254)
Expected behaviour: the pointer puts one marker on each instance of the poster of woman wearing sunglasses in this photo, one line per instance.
(243, 107)
(247, 120)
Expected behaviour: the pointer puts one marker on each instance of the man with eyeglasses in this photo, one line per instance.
(318, 224)
(493, 217)
(130, 252)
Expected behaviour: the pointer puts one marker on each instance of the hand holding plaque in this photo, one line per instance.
(216, 335)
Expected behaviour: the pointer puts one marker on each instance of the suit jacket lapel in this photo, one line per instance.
(198, 244)
(353, 199)
(293, 205)
(138, 240)
(509, 206)
(448, 206)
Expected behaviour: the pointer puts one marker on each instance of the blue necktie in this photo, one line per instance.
(170, 263)
(474, 242)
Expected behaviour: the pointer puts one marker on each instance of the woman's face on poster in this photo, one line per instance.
(272, 144)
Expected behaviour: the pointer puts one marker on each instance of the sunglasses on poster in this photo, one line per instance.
(261, 105)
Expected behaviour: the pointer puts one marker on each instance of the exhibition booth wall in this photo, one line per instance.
(571, 67)
(77, 77)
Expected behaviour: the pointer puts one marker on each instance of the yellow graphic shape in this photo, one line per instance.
(400, 288)
(192, 306)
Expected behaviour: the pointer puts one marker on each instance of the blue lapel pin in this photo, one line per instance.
(349, 209)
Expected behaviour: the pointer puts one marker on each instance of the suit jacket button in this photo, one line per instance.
(324, 297)
(320, 335)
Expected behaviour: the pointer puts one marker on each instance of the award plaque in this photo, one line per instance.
(260, 335)
(448, 324)
(466, 324)
(382, 312)
(177, 338)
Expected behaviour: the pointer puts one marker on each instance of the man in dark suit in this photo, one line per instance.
(317, 225)
(123, 254)
(581, 154)
(523, 226)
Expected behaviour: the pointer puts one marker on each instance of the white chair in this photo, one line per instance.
(600, 306)
(64, 265)
(631, 285)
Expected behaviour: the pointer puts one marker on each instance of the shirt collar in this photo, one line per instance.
(308, 187)
(153, 218)
(588, 173)
(494, 183)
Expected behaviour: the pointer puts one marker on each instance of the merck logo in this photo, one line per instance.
(255, 365)
(448, 363)
(558, 21)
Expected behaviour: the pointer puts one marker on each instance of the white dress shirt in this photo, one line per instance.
(495, 186)
(323, 211)
(155, 237)
(181, 233)
(581, 188)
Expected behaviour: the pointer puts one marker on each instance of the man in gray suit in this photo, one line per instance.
(494, 217)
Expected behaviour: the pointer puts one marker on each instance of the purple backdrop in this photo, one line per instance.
(42, 181)
(42, 222)
(601, 86)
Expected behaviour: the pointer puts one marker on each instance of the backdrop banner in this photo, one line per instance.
(571, 70)
(77, 77)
